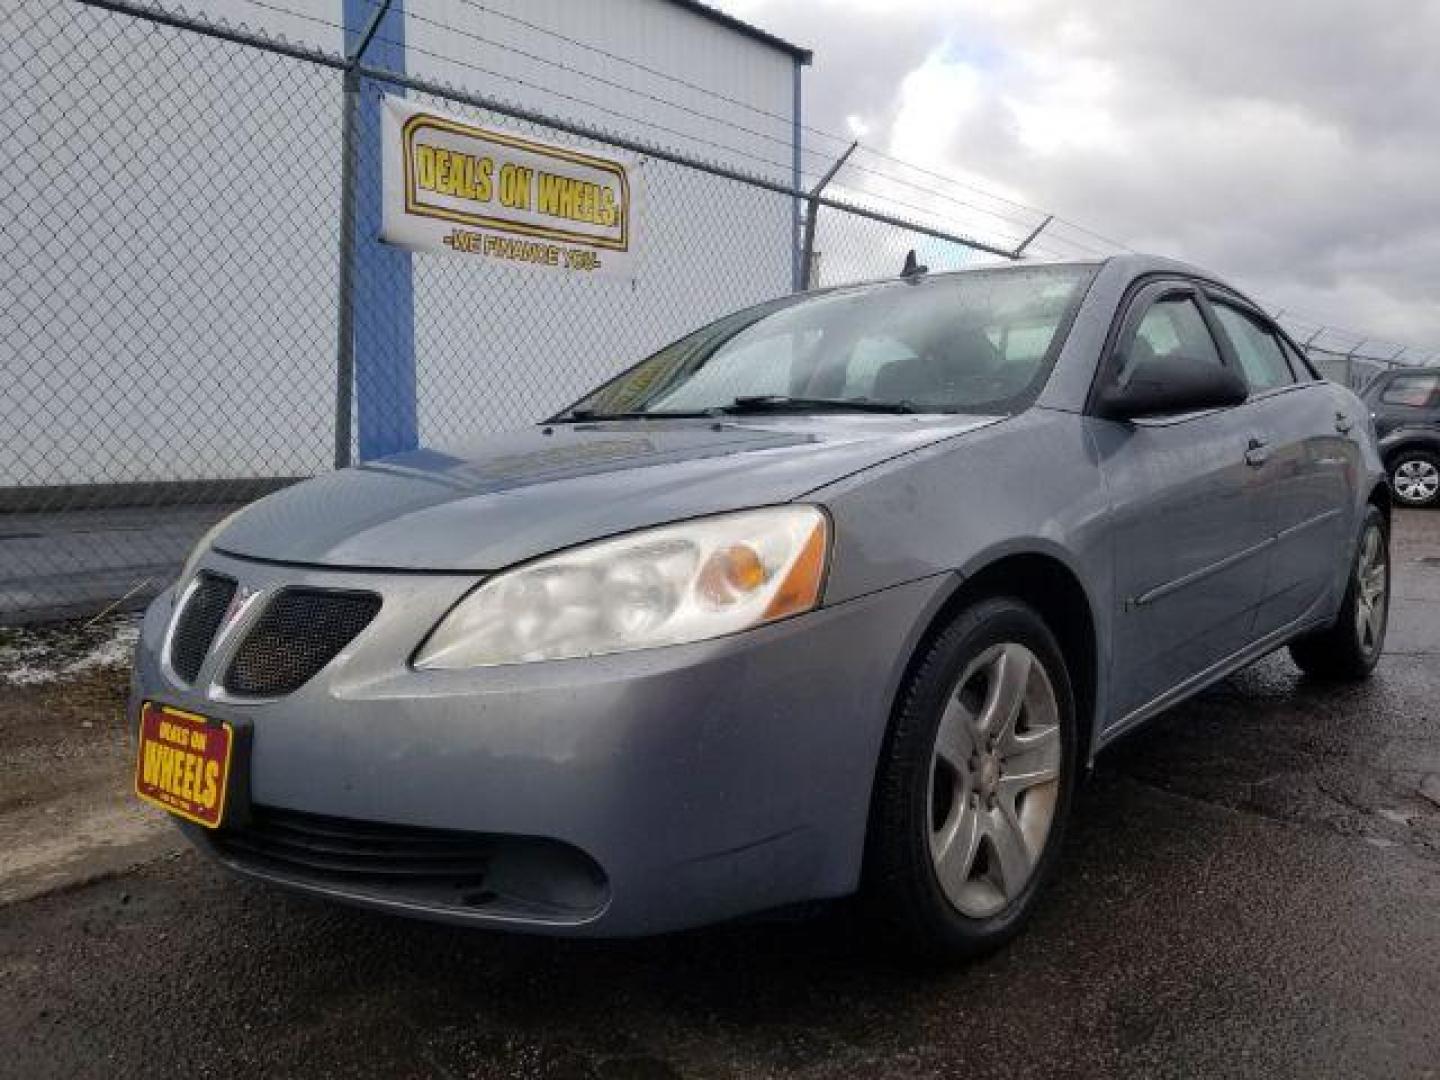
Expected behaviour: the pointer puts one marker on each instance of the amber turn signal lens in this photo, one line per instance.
(800, 591)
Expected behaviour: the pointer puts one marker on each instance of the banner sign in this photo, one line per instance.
(452, 186)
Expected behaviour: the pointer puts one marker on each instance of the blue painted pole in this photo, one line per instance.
(383, 295)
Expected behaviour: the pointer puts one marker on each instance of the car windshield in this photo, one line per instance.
(976, 342)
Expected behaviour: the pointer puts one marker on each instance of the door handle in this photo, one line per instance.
(1343, 423)
(1256, 454)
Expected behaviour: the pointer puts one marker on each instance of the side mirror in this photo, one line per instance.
(1166, 385)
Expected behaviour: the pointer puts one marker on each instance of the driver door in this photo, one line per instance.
(1190, 525)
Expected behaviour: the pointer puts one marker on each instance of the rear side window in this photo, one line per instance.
(1171, 327)
(1256, 348)
(1416, 390)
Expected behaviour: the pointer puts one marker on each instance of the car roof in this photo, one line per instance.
(1406, 369)
(1131, 265)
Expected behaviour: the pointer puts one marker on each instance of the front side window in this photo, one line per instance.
(1256, 348)
(1413, 390)
(1172, 327)
(1298, 363)
(977, 342)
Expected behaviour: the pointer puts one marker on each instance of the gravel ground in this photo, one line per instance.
(1251, 888)
(66, 811)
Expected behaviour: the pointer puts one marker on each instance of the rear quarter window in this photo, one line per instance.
(1416, 391)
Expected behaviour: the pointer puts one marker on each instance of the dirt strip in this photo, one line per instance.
(67, 815)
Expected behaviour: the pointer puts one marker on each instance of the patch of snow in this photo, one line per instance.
(34, 656)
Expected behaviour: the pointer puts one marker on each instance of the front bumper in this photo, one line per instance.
(696, 782)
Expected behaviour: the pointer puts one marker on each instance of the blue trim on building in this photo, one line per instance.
(385, 406)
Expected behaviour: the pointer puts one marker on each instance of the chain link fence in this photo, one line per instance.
(1346, 358)
(172, 215)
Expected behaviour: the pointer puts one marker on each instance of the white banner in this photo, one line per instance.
(452, 186)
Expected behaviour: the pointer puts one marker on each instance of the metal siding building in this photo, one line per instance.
(177, 199)
(497, 54)
(694, 258)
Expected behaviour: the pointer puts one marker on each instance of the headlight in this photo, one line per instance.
(662, 586)
(199, 550)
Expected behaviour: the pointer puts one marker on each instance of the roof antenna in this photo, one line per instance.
(912, 269)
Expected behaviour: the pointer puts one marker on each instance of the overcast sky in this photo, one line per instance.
(1292, 145)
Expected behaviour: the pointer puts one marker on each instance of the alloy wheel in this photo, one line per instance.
(1417, 480)
(994, 779)
(1372, 591)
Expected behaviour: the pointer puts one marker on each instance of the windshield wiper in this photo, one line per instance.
(584, 415)
(746, 403)
(784, 403)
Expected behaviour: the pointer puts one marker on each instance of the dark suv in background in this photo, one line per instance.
(1406, 408)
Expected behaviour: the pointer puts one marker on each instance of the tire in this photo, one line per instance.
(943, 875)
(1349, 650)
(1415, 478)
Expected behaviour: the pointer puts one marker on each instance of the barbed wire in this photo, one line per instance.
(1053, 243)
(784, 142)
(837, 139)
(1035, 214)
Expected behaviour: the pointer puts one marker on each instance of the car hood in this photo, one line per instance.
(513, 496)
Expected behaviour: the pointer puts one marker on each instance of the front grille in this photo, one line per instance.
(521, 876)
(300, 632)
(198, 623)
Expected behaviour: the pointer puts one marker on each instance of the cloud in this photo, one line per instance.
(1287, 144)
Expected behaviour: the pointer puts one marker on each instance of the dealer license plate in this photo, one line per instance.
(184, 763)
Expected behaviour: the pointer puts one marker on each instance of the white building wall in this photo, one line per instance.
(497, 343)
(168, 311)
(748, 85)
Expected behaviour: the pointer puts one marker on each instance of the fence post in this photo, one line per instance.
(812, 211)
(1350, 361)
(375, 354)
(797, 250)
(345, 298)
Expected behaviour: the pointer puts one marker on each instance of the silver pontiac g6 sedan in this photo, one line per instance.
(841, 593)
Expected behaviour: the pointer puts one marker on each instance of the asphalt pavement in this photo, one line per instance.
(54, 565)
(1251, 888)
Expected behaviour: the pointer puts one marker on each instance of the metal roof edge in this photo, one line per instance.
(740, 26)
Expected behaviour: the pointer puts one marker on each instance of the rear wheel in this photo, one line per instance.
(975, 784)
(1415, 478)
(1350, 649)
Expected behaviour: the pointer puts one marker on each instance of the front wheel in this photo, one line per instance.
(1415, 478)
(975, 784)
(1349, 650)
